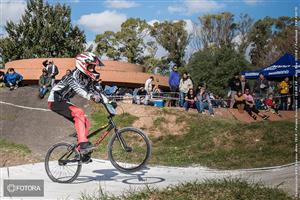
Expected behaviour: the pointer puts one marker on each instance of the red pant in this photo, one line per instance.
(75, 115)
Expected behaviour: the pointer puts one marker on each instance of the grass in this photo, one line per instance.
(12, 147)
(209, 190)
(224, 144)
(99, 118)
(213, 142)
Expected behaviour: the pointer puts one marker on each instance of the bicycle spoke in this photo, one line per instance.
(62, 164)
(129, 150)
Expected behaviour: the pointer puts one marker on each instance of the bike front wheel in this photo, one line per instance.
(62, 163)
(129, 149)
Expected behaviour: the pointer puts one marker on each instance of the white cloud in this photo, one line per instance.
(119, 4)
(189, 7)
(252, 2)
(11, 10)
(152, 22)
(101, 22)
(189, 27)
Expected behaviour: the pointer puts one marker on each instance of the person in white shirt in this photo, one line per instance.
(148, 89)
(184, 86)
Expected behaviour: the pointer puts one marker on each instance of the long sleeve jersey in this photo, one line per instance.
(69, 86)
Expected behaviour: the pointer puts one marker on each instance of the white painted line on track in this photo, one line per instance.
(24, 107)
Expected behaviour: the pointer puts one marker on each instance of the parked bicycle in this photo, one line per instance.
(129, 150)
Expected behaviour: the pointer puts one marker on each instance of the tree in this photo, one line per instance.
(244, 27)
(43, 31)
(260, 36)
(107, 45)
(271, 38)
(217, 29)
(173, 37)
(127, 43)
(215, 66)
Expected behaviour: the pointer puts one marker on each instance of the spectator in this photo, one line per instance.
(52, 70)
(45, 84)
(138, 95)
(12, 79)
(284, 92)
(235, 86)
(239, 101)
(68, 72)
(190, 100)
(148, 88)
(174, 81)
(250, 106)
(261, 87)
(271, 105)
(291, 103)
(244, 84)
(204, 102)
(184, 86)
(157, 90)
(2, 74)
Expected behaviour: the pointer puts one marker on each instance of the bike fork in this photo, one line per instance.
(123, 143)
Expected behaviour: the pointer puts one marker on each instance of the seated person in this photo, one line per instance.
(68, 72)
(2, 74)
(204, 102)
(44, 83)
(139, 95)
(239, 101)
(156, 90)
(272, 105)
(12, 79)
(250, 106)
(190, 100)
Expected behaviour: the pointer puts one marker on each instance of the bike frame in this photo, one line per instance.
(109, 126)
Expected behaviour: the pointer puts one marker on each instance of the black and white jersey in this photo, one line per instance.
(69, 86)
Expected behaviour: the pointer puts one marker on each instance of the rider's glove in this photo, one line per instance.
(96, 98)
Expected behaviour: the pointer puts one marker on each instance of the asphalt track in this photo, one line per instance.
(100, 173)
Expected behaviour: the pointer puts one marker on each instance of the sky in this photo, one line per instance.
(98, 16)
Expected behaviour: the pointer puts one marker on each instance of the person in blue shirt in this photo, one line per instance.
(12, 79)
(174, 80)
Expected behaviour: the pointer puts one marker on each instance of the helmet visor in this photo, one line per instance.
(96, 62)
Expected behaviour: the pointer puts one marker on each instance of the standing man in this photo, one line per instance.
(174, 80)
(284, 93)
(244, 84)
(52, 70)
(261, 87)
(148, 89)
(235, 86)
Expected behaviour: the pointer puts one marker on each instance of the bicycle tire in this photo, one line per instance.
(47, 160)
(139, 165)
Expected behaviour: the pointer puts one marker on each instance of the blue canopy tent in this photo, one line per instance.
(283, 67)
(251, 74)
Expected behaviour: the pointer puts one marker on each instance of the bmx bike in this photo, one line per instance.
(129, 150)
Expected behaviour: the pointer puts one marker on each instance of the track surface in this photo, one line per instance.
(101, 173)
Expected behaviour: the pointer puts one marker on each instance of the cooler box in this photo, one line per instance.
(159, 103)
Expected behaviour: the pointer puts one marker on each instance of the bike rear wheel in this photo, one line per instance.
(62, 163)
(129, 149)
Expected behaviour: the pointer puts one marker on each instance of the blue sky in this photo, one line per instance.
(96, 16)
(167, 10)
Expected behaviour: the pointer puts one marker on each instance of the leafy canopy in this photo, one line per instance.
(44, 31)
